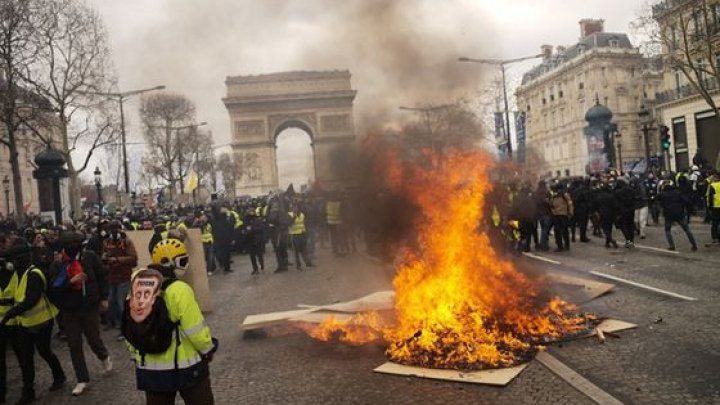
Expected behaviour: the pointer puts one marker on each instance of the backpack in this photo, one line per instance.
(155, 333)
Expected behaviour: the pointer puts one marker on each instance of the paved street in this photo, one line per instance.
(675, 361)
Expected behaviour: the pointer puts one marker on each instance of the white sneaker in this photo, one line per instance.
(107, 364)
(79, 389)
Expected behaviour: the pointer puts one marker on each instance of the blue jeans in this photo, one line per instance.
(683, 222)
(116, 301)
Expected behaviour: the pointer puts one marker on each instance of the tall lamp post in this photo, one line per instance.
(120, 97)
(501, 63)
(646, 120)
(98, 189)
(6, 188)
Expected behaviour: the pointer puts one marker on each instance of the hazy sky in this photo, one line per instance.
(400, 52)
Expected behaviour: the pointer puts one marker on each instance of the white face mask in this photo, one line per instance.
(9, 266)
(103, 234)
(179, 273)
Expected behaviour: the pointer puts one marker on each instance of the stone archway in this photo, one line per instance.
(262, 106)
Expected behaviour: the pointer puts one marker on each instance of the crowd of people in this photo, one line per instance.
(84, 274)
(522, 214)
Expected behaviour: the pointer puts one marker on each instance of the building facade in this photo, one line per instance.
(688, 35)
(28, 147)
(555, 95)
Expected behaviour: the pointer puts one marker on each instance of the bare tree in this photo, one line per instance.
(19, 20)
(204, 159)
(72, 65)
(169, 140)
(231, 172)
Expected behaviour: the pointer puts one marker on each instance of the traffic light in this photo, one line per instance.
(665, 138)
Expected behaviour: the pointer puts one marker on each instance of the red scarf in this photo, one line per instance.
(73, 269)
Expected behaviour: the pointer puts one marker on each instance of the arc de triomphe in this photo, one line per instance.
(262, 106)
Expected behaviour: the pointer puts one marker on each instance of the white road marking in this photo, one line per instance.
(645, 286)
(674, 252)
(541, 258)
(576, 380)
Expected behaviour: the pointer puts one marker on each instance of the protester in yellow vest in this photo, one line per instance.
(206, 230)
(338, 239)
(9, 281)
(184, 365)
(34, 314)
(298, 237)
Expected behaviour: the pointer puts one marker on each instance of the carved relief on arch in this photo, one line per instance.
(335, 122)
(249, 128)
(279, 119)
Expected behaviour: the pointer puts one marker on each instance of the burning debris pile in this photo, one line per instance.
(458, 304)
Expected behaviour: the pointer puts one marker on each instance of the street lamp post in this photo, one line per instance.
(6, 188)
(502, 63)
(98, 188)
(120, 97)
(646, 120)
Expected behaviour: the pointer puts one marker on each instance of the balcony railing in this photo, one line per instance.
(684, 91)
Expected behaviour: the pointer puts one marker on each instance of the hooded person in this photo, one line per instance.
(34, 314)
(165, 331)
(80, 289)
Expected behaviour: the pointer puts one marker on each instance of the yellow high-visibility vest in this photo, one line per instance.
(195, 337)
(207, 236)
(332, 210)
(43, 310)
(716, 198)
(298, 225)
(238, 220)
(9, 294)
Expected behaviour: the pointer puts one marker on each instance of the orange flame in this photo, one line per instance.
(458, 304)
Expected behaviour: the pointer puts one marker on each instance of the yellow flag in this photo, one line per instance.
(192, 181)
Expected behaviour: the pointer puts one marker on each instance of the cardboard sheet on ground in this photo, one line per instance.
(500, 377)
(197, 273)
(614, 325)
(372, 302)
(262, 320)
(591, 289)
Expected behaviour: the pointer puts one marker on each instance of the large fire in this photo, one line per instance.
(458, 304)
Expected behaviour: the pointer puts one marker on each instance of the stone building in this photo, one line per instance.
(693, 123)
(556, 94)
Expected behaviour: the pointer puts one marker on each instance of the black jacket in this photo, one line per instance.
(674, 203)
(96, 286)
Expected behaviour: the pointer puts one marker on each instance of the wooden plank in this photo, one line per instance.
(196, 275)
(498, 377)
(320, 317)
(576, 380)
(372, 302)
(262, 320)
